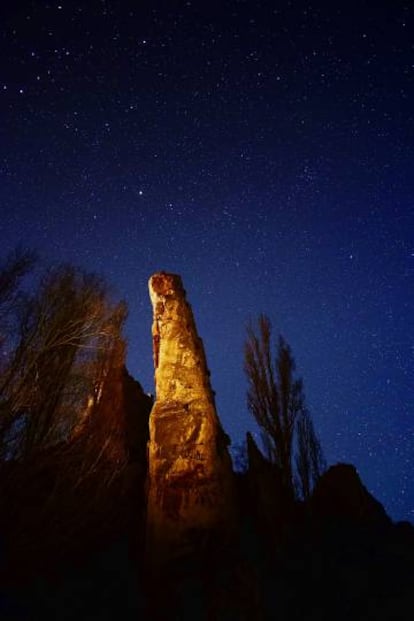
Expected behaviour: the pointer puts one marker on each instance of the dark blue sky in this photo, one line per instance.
(266, 155)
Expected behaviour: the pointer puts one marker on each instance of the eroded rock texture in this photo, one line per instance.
(190, 474)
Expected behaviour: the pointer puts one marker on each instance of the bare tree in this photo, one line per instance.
(63, 427)
(65, 337)
(275, 396)
(12, 272)
(310, 461)
(17, 264)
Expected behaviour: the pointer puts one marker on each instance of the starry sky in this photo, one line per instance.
(262, 150)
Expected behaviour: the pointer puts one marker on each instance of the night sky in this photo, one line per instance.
(266, 155)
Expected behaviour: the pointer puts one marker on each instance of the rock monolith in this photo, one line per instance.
(190, 476)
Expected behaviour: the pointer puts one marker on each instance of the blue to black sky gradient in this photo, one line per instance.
(262, 150)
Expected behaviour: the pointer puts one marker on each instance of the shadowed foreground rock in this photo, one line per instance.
(190, 475)
(270, 503)
(340, 495)
(65, 502)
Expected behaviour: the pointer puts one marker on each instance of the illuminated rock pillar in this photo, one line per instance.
(190, 476)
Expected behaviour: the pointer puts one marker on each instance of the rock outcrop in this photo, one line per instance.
(340, 496)
(190, 476)
(271, 505)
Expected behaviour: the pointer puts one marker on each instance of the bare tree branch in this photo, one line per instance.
(276, 400)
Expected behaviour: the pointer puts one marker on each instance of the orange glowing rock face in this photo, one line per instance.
(190, 475)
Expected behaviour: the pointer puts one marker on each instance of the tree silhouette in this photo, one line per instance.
(240, 457)
(309, 458)
(66, 406)
(276, 399)
(66, 332)
(12, 272)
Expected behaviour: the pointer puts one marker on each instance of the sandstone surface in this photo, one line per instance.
(190, 474)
